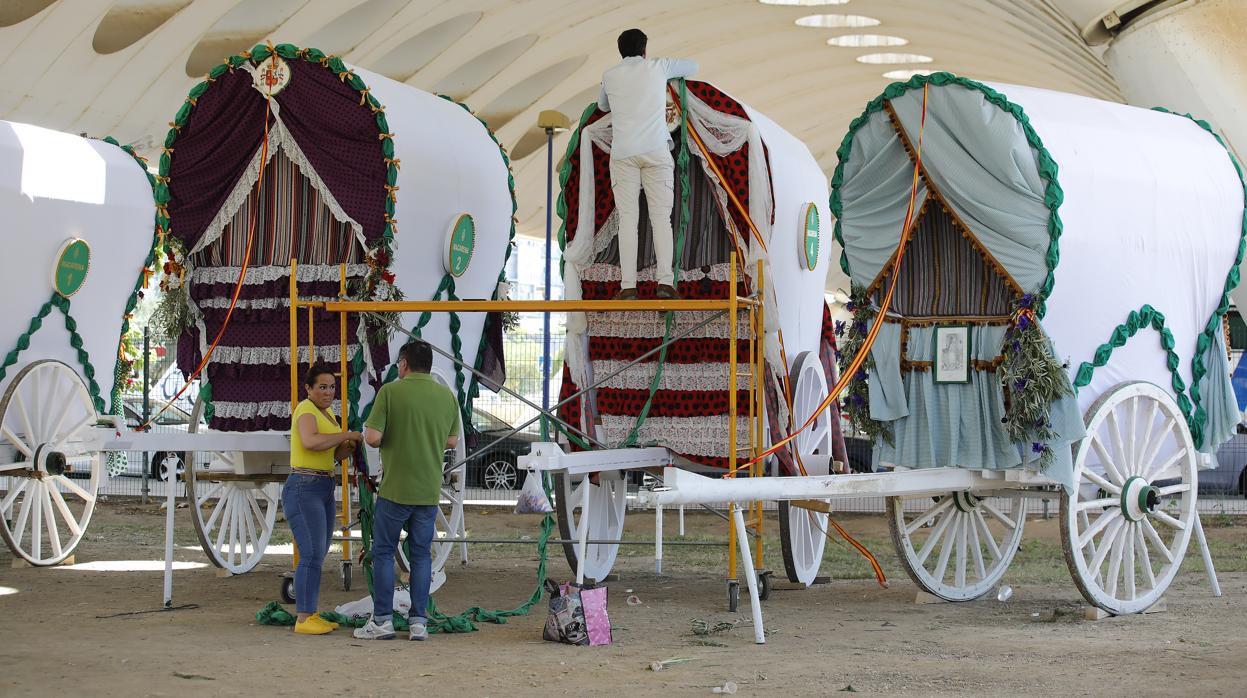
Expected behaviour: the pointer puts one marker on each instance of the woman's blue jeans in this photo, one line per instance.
(310, 510)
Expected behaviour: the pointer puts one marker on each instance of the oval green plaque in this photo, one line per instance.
(810, 236)
(460, 243)
(72, 264)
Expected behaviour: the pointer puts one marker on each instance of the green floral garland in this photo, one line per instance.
(1032, 379)
(852, 340)
(127, 343)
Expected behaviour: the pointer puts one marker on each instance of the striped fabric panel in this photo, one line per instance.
(293, 221)
(943, 275)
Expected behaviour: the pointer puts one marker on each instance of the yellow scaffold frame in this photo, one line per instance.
(733, 305)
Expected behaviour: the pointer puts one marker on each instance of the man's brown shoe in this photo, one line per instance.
(625, 294)
(667, 293)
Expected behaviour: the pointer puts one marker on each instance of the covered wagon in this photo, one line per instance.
(1048, 326)
(371, 190)
(79, 220)
(1084, 252)
(743, 185)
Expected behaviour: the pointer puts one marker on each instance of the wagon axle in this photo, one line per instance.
(1139, 499)
(48, 461)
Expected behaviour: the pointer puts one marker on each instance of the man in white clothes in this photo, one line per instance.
(635, 93)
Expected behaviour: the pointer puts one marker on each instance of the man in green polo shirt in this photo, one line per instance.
(412, 421)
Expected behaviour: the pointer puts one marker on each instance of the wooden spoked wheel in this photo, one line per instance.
(803, 532)
(233, 513)
(608, 501)
(44, 416)
(450, 522)
(1126, 525)
(957, 546)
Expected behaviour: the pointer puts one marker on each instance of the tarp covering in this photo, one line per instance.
(53, 187)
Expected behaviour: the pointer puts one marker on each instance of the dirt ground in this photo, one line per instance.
(63, 629)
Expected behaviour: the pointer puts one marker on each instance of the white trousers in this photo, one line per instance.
(655, 173)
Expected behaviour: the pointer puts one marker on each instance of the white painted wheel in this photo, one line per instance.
(450, 521)
(234, 519)
(958, 545)
(1126, 526)
(802, 533)
(607, 504)
(44, 415)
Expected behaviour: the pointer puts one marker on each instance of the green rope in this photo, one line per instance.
(681, 227)
(61, 303)
(438, 622)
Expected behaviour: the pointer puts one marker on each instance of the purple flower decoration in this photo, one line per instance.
(1026, 301)
(1038, 447)
(851, 307)
(857, 399)
(1017, 347)
(861, 375)
(839, 328)
(1019, 385)
(1023, 323)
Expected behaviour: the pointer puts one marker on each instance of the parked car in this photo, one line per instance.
(1230, 475)
(495, 468)
(173, 418)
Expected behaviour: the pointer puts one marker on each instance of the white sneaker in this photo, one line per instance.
(417, 631)
(375, 631)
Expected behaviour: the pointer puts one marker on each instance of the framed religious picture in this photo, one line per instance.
(951, 358)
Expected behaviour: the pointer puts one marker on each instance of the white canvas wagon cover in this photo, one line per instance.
(1124, 225)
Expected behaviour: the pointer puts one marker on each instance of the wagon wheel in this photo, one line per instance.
(1126, 526)
(801, 531)
(43, 415)
(957, 545)
(607, 503)
(233, 519)
(449, 522)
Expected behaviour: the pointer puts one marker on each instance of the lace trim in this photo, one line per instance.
(679, 377)
(279, 138)
(266, 408)
(331, 353)
(635, 325)
(696, 436)
(264, 274)
(605, 273)
(260, 303)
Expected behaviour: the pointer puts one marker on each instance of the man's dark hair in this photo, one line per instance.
(418, 355)
(632, 43)
(315, 371)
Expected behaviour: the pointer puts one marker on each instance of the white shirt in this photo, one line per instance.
(635, 93)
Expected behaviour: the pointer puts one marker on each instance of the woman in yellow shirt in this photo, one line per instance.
(317, 442)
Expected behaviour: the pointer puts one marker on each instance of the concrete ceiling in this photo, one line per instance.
(123, 67)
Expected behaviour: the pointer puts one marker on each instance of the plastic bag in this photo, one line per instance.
(577, 615)
(532, 498)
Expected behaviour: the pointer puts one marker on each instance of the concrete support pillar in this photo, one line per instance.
(1188, 57)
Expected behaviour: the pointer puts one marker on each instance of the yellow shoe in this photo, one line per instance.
(314, 625)
(330, 623)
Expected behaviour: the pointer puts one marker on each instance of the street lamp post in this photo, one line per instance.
(551, 122)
